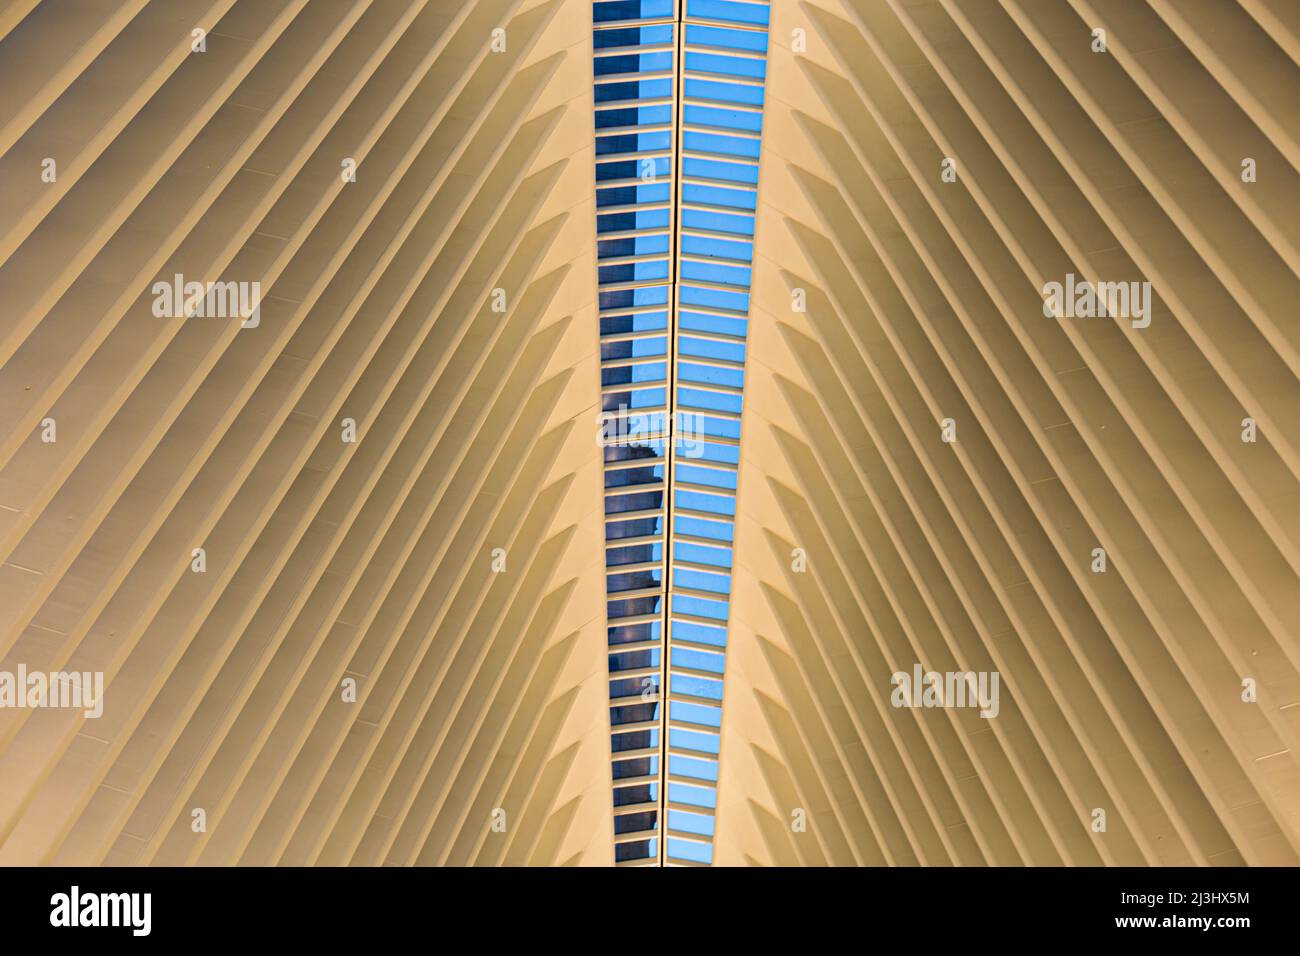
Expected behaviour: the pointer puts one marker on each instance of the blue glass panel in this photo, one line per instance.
(703, 528)
(725, 480)
(696, 141)
(640, 322)
(751, 41)
(719, 91)
(697, 399)
(699, 607)
(632, 36)
(697, 823)
(709, 220)
(693, 767)
(694, 713)
(649, 89)
(689, 850)
(721, 324)
(710, 375)
(713, 246)
(697, 271)
(714, 298)
(743, 121)
(701, 580)
(611, 10)
(634, 63)
(753, 13)
(738, 66)
(654, 141)
(633, 246)
(696, 660)
(713, 451)
(701, 554)
(738, 173)
(711, 348)
(718, 196)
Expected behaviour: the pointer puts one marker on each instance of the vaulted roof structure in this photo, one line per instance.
(650, 432)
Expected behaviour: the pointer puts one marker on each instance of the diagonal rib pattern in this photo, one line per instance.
(321, 527)
(1100, 510)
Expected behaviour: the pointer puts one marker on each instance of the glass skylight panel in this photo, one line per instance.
(678, 98)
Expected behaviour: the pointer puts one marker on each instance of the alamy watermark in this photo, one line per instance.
(922, 688)
(1081, 299)
(70, 690)
(75, 908)
(623, 426)
(219, 300)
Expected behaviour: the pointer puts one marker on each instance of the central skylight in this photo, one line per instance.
(679, 114)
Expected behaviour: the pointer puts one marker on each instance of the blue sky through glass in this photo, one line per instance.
(679, 97)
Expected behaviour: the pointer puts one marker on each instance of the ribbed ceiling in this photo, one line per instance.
(341, 560)
(409, 184)
(1121, 690)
